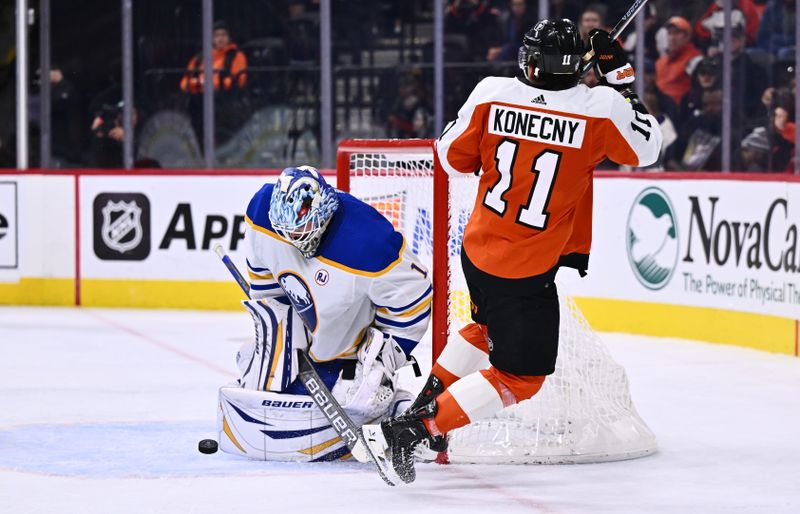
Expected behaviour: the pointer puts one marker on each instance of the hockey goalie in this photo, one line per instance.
(329, 276)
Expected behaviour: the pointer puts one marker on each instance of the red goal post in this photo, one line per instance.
(346, 167)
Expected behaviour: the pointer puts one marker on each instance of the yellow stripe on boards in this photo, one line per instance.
(757, 331)
(157, 294)
(321, 446)
(38, 291)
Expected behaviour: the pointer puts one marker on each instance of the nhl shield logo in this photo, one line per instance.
(122, 226)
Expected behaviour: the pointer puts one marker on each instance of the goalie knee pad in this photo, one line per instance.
(264, 425)
(268, 363)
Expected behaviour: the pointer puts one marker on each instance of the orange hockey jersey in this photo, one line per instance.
(537, 150)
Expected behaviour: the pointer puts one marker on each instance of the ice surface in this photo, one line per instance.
(101, 412)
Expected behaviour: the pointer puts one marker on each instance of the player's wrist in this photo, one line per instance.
(633, 99)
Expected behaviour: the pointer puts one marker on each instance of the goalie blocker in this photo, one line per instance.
(267, 415)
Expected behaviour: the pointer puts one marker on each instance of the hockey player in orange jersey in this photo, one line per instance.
(537, 141)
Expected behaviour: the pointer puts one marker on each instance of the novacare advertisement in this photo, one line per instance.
(723, 244)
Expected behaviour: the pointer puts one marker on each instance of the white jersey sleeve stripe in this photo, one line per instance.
(392, 310)
(641, 132)
(408, 313)
(403, 324)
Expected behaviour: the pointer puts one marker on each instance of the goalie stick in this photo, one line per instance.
(622, 24)
(351, 435)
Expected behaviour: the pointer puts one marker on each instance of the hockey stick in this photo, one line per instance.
(351, 435)
(622, 24)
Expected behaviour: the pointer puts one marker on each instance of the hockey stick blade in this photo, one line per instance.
(319, 392)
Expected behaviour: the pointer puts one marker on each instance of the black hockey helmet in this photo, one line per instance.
(552, 47)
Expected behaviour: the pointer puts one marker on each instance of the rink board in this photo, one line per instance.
(707, 257)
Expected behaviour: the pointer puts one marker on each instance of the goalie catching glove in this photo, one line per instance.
(611, 63)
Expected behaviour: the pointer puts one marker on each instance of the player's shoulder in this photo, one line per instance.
(490, 87)
(258, 208)
(492, 82)
(359, 239)
(595, 102)
(602, 100)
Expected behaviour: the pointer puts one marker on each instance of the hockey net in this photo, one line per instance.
(584, 411)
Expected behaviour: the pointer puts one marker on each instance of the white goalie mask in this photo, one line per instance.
(301, 207)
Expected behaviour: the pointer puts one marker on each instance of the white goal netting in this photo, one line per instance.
(584, 412)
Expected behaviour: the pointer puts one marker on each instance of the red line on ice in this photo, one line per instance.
(160, 344)
(530, 503)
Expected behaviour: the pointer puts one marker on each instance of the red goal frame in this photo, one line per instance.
(439, 274)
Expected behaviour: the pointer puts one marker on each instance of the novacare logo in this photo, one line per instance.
(652, 238)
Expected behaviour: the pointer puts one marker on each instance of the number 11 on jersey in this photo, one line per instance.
(545, 165)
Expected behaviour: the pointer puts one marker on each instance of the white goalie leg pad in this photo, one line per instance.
(264, 425)
(269, 362)
(369, 396)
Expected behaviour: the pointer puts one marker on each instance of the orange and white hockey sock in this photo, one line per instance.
(480, 395)
(463, 355)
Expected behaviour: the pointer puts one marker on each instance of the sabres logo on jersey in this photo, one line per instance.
(300, 295)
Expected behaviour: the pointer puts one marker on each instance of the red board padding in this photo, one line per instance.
(157, 172)
(654, 175)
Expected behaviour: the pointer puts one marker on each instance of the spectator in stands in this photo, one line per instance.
(301, 32)
(783, 138)
(513, 24)
(754, 153)
(410, 115)
(66, 121)
(713, 17)
(673, 69)
(474, 19)
(653, 100)
(229, 79)
(650, 29)
(707, 75)
(777, 31)
(749, 80)
(666, 105)
(698, 145)
(593, 17)
(229, 65)
(569, 9)
(108, 133)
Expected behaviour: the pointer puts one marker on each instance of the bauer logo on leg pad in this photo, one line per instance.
(287, 405)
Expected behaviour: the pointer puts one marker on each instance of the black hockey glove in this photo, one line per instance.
(611, 63)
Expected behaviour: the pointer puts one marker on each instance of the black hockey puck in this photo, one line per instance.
(208, 446)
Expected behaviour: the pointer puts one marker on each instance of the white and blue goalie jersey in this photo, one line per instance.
(362, 275)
